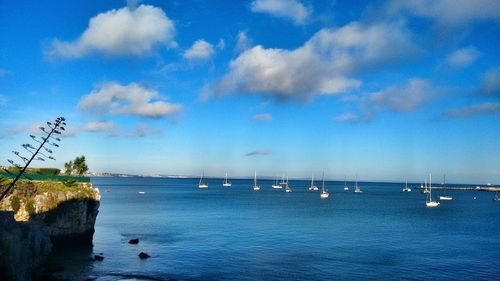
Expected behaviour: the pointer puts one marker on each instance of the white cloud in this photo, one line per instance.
(132, 99)
(321, 66)
(354, 118)
(99, 126)
(221, 45)
(263, 117)
(473, 110)
(141, 130)
(291, 9)
(490, 83)
(258, 152)
(404, 98)
(463, 57)
(449, 12)
(243, 42)
(201, 50)
(126, 31)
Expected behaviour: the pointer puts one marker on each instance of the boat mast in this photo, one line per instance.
(323, 184)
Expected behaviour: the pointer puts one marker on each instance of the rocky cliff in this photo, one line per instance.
(37, 216)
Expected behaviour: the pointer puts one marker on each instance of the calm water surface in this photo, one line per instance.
(238, 234)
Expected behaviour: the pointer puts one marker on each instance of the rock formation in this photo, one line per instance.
(37, 216)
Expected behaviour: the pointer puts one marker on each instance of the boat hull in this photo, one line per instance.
(432, 204)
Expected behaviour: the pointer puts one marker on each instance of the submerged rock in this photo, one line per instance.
(133, 241)
(98, 257)
(143, 255)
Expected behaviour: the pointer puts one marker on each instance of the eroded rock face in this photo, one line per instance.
(36, 216)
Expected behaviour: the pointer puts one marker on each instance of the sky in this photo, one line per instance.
(385, 90)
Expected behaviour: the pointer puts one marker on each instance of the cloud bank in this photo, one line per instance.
(262, 117)
(125, 31)
(473, 110)
(201, 50)
(132, 99)
(291, 9)
(463, 57)
(258, 152)
(322, 66)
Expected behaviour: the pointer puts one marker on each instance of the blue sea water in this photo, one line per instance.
(238, 234)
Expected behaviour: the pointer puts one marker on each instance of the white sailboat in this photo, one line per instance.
(406, 189)
(496, 198)
(287, 188)
(201, 184)
(282, 183)
(425, 186)
(226, 183)
(429, 203)
(324, 193)
(444, 196)
(313, 187)
(346, 188)
(255, 186)
(357, 189)
(276, 185)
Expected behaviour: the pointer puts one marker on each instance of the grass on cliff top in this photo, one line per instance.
(39, 187)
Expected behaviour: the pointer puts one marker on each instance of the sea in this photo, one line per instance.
(236, 233)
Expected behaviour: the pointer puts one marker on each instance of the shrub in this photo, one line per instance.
(15, 203)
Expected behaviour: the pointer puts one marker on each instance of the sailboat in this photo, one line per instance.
(324, 193)
(313, 187)
(276, 185)
(425, 186)
(255, 186)
(282, 183)
(357, 189)
(201, 184)
(226, 183)
(346, 188)
(496, 198)
(445, 197)
(287, 189)
(406, 189)
(429, 203)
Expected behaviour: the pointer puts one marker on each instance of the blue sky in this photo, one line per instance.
(381, 89)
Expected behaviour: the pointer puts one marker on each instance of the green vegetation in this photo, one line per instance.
(76, 167)
(15, 203)
(26, 191)
(69, 183)
(39, 177)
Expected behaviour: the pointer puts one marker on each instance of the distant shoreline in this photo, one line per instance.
(465, 186)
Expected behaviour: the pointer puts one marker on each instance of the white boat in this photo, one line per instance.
(141, 192)
(283, 182)
(313, 187)
(425, 186)
(324, 193)
(406, 189)
(226, 183)
(346, 188)
(496, 198)
(287, 188)
(444, 196)
(201, 184)
(255, 186)
(429, 203)
(276, 185)
(357, 189)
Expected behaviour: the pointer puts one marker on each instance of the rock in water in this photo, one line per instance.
(143, 255)
(98, 258)
(134, 241)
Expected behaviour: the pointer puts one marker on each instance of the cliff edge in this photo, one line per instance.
(39, 215)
